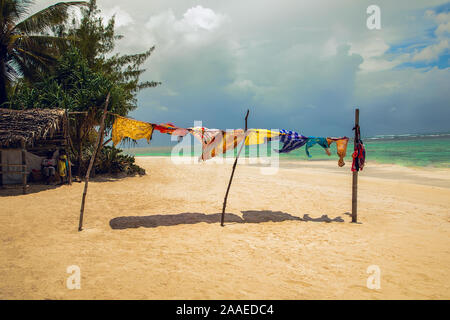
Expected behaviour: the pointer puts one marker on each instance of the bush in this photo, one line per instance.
(112, 160)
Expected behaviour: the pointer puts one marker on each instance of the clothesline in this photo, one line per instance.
(216, 141)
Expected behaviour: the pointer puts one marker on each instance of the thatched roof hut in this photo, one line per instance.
(17, 126)
(26, 136)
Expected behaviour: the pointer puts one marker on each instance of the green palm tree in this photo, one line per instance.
(25, 46)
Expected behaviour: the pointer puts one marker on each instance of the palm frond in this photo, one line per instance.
(22, 66)
(12, 11)
(30, 64)
(50, 44)
(11, 73)
(47, 17)
(37, 56)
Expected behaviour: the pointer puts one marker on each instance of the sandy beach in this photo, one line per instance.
(287, 235)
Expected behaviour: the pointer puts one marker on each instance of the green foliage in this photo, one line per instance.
(112, 160)
(25, 49)
(75, 87)
(87, 71)
(82, 77)
(72, 86)
(96, 41)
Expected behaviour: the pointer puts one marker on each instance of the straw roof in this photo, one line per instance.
(28, 125)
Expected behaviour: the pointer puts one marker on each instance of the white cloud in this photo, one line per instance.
(443, 29)
(196, 27)
(432, 52)
(282, 58)
(330, 47)
(443, 19)
(122, 18)
(204, 18)
(373, 52)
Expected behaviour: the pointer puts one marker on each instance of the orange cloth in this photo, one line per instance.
(215, 142)
(229, 140)
(341, 145)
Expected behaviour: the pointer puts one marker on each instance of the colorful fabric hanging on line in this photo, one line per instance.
(291, 140)
(204, 135)
(129, 128)
(312, 141)
(259, 136)
(359, 155)
(341, 145)
(171, 129)
(215, 141)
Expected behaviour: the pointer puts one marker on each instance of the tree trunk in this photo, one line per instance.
(3, 95)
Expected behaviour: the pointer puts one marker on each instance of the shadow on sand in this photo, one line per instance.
(252, 216)
(35, 187)
(17, 190)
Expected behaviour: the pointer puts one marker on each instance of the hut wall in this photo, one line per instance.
(38, 130)
(14, 156)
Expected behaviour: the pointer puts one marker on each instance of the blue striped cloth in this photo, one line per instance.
(291, 140)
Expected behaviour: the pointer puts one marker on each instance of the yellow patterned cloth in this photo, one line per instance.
(62, 169)
(129, 128)
(259, 136)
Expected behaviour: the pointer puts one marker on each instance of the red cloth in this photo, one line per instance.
(359, 157)
(171, 129)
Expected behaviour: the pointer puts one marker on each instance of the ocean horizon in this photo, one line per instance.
(411, 150)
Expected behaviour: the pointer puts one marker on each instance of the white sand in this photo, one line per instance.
(291, 239)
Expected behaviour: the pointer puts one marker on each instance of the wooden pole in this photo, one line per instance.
(101, 144)
(1, 169)
(355, 173)
(69, 167)
(91, 163)
(222, 219)
(24, 168)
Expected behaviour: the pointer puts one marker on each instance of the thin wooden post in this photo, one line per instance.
(1, 169)
(222, 219)
(355, 173)
(24, 168)
(69, 169)
(91, 163)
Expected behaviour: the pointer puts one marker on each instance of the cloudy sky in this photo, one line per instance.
(298, 65)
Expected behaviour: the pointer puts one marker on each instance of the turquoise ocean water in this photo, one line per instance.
(432, 150)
